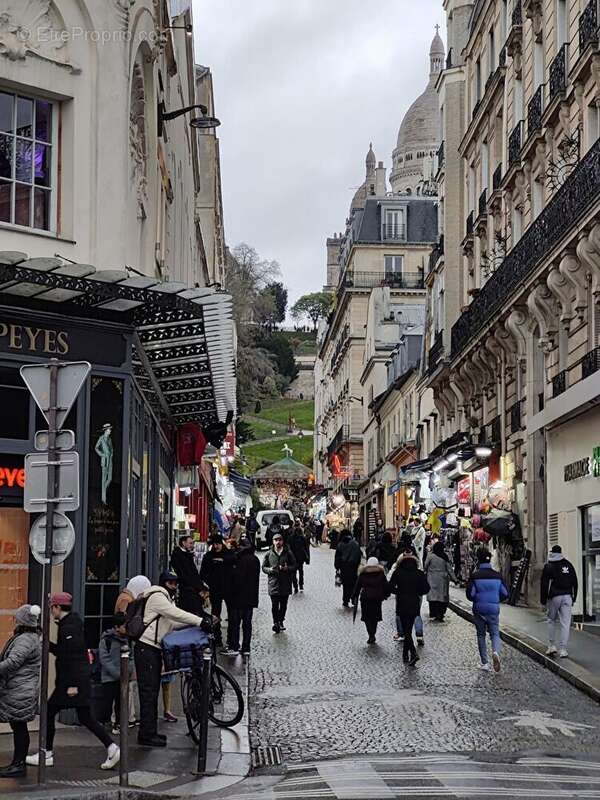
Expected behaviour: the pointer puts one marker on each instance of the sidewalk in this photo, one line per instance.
(525, 629)
(166, 773)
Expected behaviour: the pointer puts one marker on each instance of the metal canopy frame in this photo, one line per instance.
(184, 340)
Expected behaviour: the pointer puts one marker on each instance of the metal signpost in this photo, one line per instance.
(54, 386)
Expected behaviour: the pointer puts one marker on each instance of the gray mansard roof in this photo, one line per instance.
(422, 218)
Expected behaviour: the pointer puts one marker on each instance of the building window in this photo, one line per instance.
(517, 224)
(393, 224)
(26, 160)
(491, 52)
(537, 198)
(477, 81)
(393, 265)
(593, 124)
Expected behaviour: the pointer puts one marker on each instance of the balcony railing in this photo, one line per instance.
(436, 253)
(517, 15)
(435, 352)
(440, 155)
(393, 233)
(515, 417)
(590, 363)
(341, 437)
(558, 74)
(588, 25)
(515, 144)
(396, 280)
(534, 112)
(495, 430)
(483, 203)
(497, 178)
(561, 214)
(469, 224)
(559, 383)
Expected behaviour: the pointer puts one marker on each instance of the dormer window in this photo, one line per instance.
(393, 224)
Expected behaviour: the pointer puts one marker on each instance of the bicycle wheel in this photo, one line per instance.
(226, 707)
(191, 694)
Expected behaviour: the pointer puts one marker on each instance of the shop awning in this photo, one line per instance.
(184, 353)
(241, 484)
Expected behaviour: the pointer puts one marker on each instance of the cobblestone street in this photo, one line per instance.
(319, 692)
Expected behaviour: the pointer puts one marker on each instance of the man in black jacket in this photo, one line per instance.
(347, 561)
(252, 527)
(190, 583)
(73, 681)
(215, 571)
(301, 550)
(558, 593)
(244, 597)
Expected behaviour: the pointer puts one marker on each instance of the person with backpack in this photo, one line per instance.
(109, 655)
(347, 561)
(134, 588)
(73, 681)
(558, 593)
(149, 618)
(486, 590)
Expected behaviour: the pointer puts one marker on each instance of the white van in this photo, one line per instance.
(265, 518)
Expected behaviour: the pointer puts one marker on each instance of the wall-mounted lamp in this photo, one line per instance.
(189, 29)
(203, 122)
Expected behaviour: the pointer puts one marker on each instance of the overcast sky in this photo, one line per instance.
(301, 88)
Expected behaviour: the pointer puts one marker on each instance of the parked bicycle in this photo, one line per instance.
(226, 701)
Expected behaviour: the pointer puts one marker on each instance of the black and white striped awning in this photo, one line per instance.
(184, 353)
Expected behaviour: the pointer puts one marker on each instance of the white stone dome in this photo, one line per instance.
(419, 134)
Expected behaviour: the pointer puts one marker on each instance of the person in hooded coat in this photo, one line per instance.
(372, 589)
(300, 547)
(409, 584)
(347, 561)
(439, 574)
(19, 684)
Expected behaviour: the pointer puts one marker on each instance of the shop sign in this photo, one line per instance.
(463, 491)
(578, 469)
(21, 337)
(351, 495)
(12, 477)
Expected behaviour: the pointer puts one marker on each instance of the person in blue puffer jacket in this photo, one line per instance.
(486, 591)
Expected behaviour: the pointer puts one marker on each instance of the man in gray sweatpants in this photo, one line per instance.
(558, 593)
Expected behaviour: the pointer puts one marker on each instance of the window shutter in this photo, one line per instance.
(552, 530)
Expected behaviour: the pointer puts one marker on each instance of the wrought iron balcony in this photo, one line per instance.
(435, 353)
(588, 25)
(483, 203)
(495, 430)
(570, 203)
(590, 363)
(517, 14)
(515, 144)
(515, 417)
(497, 178)
(558, 74)
(559, 383)
(469, 225)
(393, 233)
(534, 112)
(341, 437)
(440, 155)
(396, 280)
(436, 253)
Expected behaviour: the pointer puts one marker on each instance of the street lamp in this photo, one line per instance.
(200, 123)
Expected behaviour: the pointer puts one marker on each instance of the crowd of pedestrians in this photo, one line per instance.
(227, 585)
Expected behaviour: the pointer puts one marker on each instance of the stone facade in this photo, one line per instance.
(518, 354)
(119, 195)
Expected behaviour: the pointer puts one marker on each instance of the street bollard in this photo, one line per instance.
(124, 717)
(204, 706)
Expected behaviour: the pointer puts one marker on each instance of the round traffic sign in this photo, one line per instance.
(62, 542)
